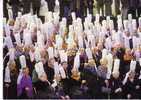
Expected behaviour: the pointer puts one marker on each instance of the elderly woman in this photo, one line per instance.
(102, 69)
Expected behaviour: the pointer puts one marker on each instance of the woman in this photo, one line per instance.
(24, 84)
(11, 86)
(102, 69)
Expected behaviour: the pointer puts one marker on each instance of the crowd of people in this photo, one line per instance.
(81, 7)
(87, 59)
(83, 59)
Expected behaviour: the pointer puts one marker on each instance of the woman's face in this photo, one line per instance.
(26, 71)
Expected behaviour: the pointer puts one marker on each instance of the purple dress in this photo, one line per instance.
(25, 82)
